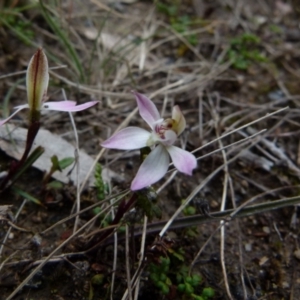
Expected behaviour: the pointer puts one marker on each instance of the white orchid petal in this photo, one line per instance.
(69, 106)
(183, 160)
(37, 78)
(179, 118)
(128, 139)
(153, 168)
(19, 108)
(147, 109)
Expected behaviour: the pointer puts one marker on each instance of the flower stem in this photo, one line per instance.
(123, 207)
(15, 166)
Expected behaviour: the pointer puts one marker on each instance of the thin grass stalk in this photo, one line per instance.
(127, 261)
(118, 196)
(223, 201)
(141, 259)
(197, 190)
(64, 40)
(76, 165)
(10, 228)
(115, 260)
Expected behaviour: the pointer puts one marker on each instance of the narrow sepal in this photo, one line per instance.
(153, 168)
(180, 122)
(37, 78)
(147, 109)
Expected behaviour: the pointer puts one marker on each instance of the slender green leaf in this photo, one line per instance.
(66, 162)
(36, 153)
(55, 185)
(55, 164)
(26, 195)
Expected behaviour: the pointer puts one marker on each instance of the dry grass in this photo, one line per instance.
(242, 126)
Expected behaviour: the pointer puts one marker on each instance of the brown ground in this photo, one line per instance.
(226, 64)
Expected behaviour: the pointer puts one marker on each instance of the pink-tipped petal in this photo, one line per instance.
(147, 109)
(37, 78)
(69, 106)
(128, 138)
(183, 160)
(179, 118)
(6, 120)
(153, 168)
(19, 108)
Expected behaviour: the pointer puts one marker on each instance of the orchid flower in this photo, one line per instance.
(37, 78)
(164, 133)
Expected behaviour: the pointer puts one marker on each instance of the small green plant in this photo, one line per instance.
(188, 284)
(244, 51)
(183, 24)
(57, 165)
(190, 231)
(12, 18)
(104, 218)
(161, 275)
(102, 190)
(180, 23)
(147, 203)
(275, 28)
(169, 9)
(100, 185)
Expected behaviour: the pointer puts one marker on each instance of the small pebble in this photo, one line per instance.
(245, 184)
(214, 204)
(36, 219)
(266, 229)
(252, 85)
(240, 79)
(263, 260)
(260, 20)
(248, 247)
(285, 285)
(297, 254)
